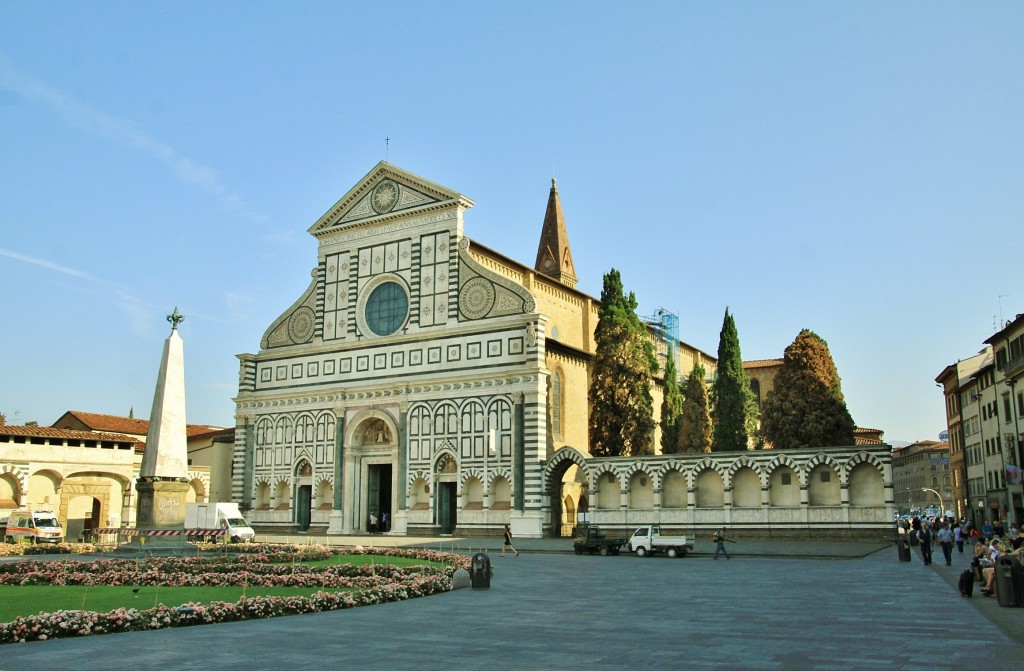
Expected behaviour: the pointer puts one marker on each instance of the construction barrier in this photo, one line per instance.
(162, 532)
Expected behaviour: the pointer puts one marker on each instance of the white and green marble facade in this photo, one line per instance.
(446, 406)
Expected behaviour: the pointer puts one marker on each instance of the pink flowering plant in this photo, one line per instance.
(268, 566)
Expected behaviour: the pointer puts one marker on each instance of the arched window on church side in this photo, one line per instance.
(556, 404)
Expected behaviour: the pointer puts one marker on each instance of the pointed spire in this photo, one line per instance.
(166, 453)
(554, 258)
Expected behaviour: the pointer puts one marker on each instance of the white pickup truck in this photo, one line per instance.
(648, 540)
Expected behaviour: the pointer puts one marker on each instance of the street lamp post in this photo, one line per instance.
(942, 507)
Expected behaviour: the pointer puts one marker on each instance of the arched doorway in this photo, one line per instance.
(303, 494)
(566, 486)
(447, 505)
(371, 464)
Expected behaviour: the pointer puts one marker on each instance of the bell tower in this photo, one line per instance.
(554, 257)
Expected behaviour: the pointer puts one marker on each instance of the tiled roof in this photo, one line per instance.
(140, 427)
(212, 434)
(98, 422)
(50, 432)
(762, 363)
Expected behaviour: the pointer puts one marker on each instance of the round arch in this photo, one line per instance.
(562, 519)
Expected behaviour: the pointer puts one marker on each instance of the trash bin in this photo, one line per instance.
(480, 573)
(1009, 582)
(903, 548)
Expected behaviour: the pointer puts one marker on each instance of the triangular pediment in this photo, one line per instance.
(384, 194)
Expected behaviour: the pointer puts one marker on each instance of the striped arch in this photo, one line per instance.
(744, 462)
(607, 470)
(640, 467)
(864, 457)
(301, 455)
(556, 464)
(498, 473)
(471, 473)
(413, 477)
(703, 465)
(322, 478)
(781, 460)
(671, 465)
(20, 474)
(445, 450)
(819, 460)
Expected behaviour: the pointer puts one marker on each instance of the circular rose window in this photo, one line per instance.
(386, 308)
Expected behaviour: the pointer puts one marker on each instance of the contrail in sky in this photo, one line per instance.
(47, 264)
(124, 132)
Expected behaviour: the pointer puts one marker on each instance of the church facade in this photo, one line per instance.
(426, 380)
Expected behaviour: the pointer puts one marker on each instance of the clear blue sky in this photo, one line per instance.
(856, 168)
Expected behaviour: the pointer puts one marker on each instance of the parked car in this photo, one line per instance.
(648, 540)
(591, 538)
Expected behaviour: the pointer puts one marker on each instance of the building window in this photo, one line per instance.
(556, 404)
(386, 308)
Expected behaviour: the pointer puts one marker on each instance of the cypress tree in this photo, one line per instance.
(734, 412)
(621, 407)
(695, 419)
(807, 408)
(671, 408)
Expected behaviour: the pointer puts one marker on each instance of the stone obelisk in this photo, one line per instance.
(163, 476)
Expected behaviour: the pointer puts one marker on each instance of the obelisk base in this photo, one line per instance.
(161, 508)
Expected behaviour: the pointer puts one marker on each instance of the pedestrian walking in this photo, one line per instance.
(720, 540)
(924, 537)
(507, 545)
(945, 536)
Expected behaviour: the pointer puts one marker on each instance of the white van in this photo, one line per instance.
(224, 517)
(37, 526)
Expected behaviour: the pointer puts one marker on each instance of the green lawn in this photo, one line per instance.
(25, 600)
(16, 600)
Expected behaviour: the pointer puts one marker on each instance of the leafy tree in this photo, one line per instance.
(735, 411)
(671, 407)
(807, 408)
(621, 408)
(695, 420)
(3, 419)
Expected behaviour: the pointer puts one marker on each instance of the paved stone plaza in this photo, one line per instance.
(554, 610)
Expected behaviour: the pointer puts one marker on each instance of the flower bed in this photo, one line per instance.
(15, 549)
(266, 567)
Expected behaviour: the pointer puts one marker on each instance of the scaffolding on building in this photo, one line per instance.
(666, 325)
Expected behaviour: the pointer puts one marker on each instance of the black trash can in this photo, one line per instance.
(903, 548)
(480, 572)
(1010, 582)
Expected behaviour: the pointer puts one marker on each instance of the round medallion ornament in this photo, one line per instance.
(300, 325)
(384, 197)
(476, 298)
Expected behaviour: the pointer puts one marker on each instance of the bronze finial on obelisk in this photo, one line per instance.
(175, 318)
